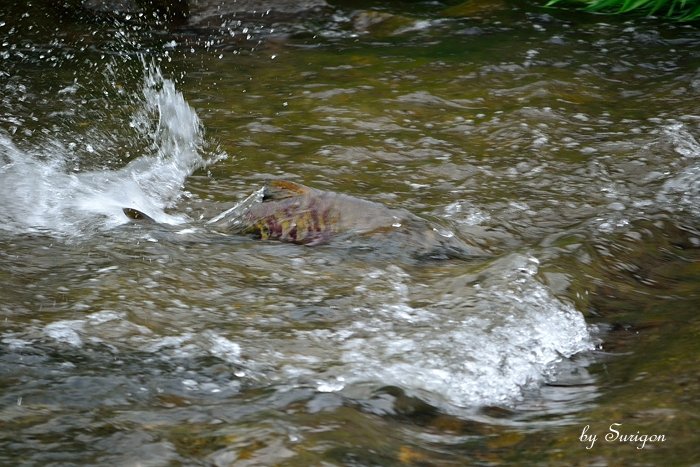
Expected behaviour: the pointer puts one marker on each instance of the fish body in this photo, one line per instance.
(290, 212)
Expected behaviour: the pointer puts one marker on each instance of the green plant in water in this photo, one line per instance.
(681, 10)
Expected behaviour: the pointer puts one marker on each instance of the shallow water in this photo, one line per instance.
(564, 145)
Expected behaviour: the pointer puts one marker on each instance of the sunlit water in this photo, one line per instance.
(569, 153)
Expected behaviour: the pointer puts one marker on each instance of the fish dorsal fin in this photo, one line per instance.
(136, 215)
(281, 189)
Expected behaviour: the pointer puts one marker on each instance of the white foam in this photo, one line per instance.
(464, 212)
(38, 193)
(66, 331)
(224, 348)
(481, 339)
(160, 343)
(105, 316)
(14, 343)
(683, 188)
(485, 345)
(683, 142)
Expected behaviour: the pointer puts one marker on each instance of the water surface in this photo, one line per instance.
(564, 145)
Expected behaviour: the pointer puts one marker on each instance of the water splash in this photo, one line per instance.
(231, 217)
(484, 344)
(683, 188)
(488, 338)
(39, 193)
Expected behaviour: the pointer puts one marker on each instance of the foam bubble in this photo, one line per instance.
(475, 339)
(67, 331)
(485, 345)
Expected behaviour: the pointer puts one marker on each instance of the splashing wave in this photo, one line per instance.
(40, 194)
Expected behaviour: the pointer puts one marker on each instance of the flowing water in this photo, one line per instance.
(565, 145)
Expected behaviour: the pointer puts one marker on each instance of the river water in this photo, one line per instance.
(565, 145)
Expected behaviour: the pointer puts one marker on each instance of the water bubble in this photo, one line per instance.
(66, 331)
(190, 384)
(331, 386)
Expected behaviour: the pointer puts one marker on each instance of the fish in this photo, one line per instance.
(289, 212)
(136, 215)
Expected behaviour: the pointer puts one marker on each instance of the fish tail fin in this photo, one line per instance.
(136, 215)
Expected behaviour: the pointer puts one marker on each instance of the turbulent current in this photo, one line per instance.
(483, 342)
(41, 195)
(176, 341)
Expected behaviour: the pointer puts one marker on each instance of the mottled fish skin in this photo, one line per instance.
(290, 212)
(304, 220)
(295, 213)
